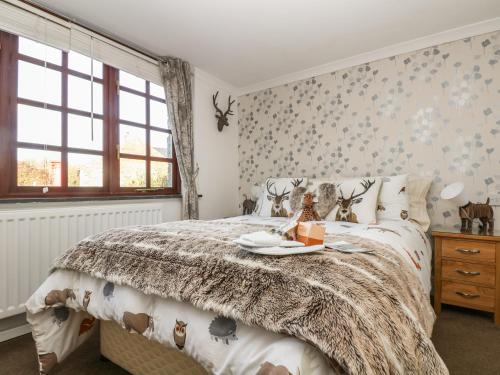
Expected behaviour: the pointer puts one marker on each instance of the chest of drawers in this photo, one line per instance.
(467, 271)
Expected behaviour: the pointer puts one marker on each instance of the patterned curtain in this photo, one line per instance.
(176, 78)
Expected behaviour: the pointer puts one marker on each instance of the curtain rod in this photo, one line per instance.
(75, 22)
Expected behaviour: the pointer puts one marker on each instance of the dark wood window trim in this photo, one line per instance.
(9, 100)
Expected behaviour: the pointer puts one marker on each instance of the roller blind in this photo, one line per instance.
(113, 54)
(27, 21)
(33, 26)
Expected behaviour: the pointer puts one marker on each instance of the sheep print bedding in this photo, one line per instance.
(186, 285)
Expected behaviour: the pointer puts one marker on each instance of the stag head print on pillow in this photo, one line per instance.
(277, 199)
(356, 201)
(277, 194)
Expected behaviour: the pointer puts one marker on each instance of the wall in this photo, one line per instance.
(215, 152)
(432, 112)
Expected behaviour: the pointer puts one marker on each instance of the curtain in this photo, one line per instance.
(176, 77)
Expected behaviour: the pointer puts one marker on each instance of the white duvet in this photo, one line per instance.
(221, 345)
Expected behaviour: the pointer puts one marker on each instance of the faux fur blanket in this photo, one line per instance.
(367, 313)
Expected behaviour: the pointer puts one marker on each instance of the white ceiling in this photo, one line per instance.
(248, 41)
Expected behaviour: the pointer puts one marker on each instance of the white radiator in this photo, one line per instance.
(31, 239)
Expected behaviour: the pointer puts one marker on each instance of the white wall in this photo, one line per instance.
(215, 152)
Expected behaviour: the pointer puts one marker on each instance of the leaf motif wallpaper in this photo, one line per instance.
(431, 112)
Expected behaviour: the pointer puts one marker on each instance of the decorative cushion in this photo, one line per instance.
(325, 197)
(356, 200)
(297, 198)
(275, 198)
(418, 187)
(393, 201)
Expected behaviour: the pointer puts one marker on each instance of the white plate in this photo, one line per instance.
(279, 251)
(242, 242)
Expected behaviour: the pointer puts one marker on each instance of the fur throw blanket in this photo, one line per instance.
(367, 313)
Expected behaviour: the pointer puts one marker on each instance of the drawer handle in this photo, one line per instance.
(468, 273)
(467, 295)
(469, 251)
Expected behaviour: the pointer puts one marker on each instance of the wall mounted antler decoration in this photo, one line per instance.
(222, 116)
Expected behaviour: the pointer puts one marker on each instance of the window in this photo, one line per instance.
(73, 126)
(145, 141)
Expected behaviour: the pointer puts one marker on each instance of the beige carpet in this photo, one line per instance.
(468, 342)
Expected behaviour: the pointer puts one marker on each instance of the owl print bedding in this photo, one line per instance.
(187, 286)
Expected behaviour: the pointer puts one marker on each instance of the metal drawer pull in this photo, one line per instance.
(468, 251)
(467, 295)
(468, 273)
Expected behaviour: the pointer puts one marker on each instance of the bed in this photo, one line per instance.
(203, 303)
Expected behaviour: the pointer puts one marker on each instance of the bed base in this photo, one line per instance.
(140, 356)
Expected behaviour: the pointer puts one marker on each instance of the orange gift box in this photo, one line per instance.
(310, 234)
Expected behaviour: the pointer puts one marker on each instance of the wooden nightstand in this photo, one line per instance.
(467, 271)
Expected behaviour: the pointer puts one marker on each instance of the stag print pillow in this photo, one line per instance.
(356, 200)
(393, 200)
(275, 199)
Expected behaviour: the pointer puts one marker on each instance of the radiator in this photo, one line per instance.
(31, 239)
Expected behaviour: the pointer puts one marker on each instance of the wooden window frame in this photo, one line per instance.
(9, 100)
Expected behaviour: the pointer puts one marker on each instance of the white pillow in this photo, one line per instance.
(356, 200)
(418, 187)
(393, 202)
(275, 197)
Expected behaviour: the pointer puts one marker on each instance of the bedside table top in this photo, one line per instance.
(455, 233)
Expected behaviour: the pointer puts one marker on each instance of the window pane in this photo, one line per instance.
(40, 51)
(37, 83)
(132, 107)
(156, 90)
(38, 125)
(132, 173)
(82, 64)
(161, 174)
(158, 114)
(79, 94)
(80, 132)
(38, 167)
(161, 144)
(132, 82)
(132, 140)
(84, 170)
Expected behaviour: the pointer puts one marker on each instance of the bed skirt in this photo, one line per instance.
(140, 356)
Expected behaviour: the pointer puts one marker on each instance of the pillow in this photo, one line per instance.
(356, 200)
(324, 197)
(275, 198)
(297, 198)
(418, 187)
(393, 202)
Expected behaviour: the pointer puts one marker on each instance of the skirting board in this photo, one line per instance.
(15, 332)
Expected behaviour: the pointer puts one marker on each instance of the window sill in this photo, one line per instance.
(89, 199)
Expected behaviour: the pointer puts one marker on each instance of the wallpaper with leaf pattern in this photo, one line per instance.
(431, 112)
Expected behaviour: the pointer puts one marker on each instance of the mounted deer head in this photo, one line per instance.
(277, 209)
(345, 204)
(222, 116)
